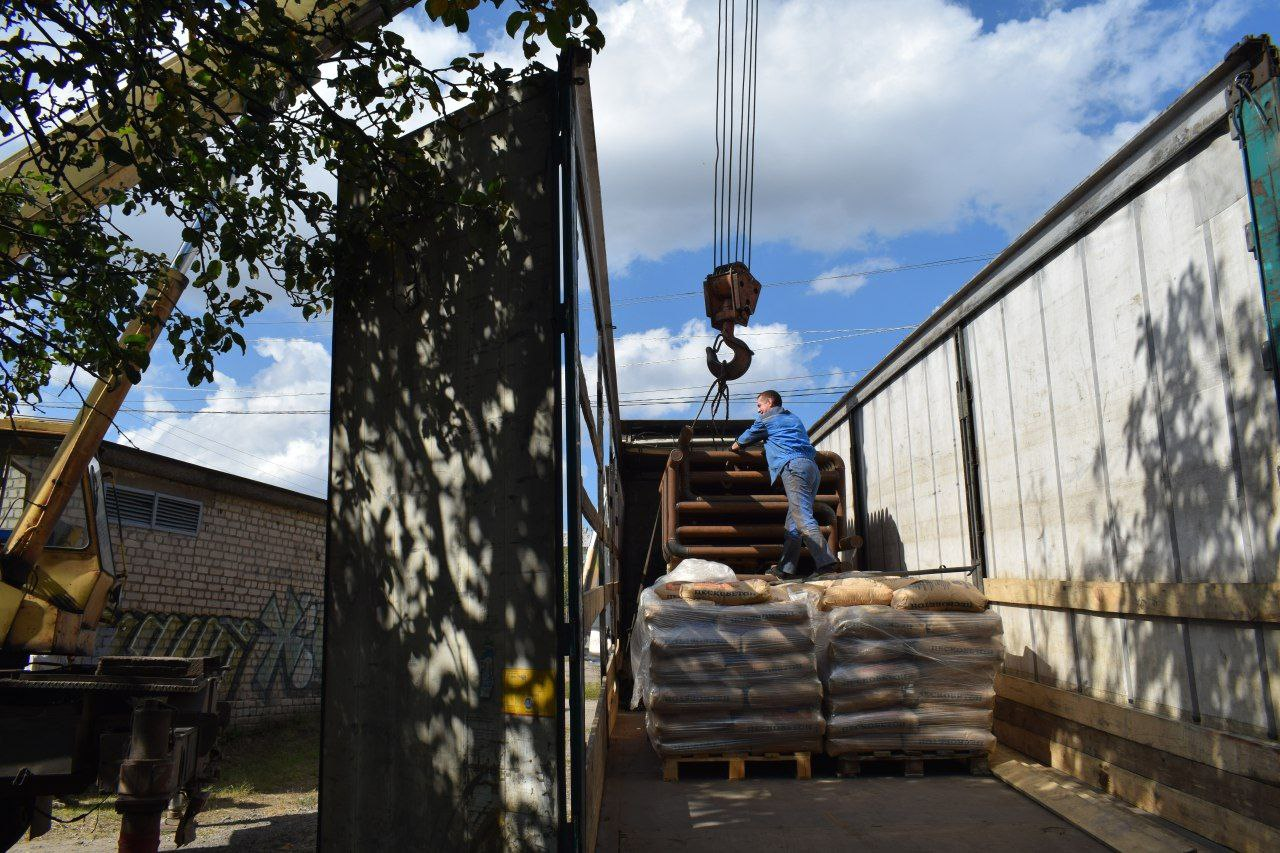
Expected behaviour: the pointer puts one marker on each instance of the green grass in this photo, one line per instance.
(283, 758)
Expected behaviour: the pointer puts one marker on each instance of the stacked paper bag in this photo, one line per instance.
(725, 665)
(914, 672)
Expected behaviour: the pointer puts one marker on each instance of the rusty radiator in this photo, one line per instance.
(719, 505)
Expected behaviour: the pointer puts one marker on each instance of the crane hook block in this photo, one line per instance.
(731, 293)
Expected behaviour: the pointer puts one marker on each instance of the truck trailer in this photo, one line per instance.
(1088, 429)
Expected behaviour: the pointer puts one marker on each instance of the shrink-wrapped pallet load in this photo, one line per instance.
(915, 675)
(725, 665)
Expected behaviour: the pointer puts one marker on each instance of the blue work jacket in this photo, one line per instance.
(785, 438)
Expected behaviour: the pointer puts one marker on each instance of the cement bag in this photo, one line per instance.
(954, 716)
(888, 721)
(789, 693)
(957, 651)
(940, 595)
(874, 622)
(771, 731)
(677, 698)
(851, 592)
(734, 743)
(850, 678)
(975, 625)
(726, 593)
(983, 696)
(732, 669)
(650, 603)
(774, 640)
(895, 696)
(679, 613)
(770, 724)
(864, 743)
(935, 677)
(693, 639)
(846, 650)
(977, 740)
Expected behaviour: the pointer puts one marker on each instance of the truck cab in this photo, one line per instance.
(143, 728)
(59, 610)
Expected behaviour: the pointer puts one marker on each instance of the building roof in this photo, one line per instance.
(115, 455)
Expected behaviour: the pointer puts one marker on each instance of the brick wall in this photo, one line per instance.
(249, 586)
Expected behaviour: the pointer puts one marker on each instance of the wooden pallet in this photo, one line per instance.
(738, 763)
(913, 761)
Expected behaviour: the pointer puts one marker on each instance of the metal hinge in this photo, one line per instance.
(1268, 356)
(1250, 241)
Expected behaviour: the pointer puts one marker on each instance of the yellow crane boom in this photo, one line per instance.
(63, 619)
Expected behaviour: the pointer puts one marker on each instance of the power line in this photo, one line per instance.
(204, 437)
(754, 381)
(942, 262)
(760, 349)
(186, 453)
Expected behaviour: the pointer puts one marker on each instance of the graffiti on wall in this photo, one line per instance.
(276, 653)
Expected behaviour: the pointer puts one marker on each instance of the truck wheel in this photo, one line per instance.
(15, 818)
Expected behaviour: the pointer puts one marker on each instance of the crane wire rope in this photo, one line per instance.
(736, 99)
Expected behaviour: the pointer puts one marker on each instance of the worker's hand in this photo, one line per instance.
(736, 446)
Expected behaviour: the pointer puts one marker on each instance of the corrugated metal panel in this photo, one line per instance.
(1125, 431)
(913, 487)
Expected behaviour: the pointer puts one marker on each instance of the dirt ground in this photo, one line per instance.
(265, 800)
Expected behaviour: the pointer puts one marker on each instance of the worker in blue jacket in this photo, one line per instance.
(791, 456)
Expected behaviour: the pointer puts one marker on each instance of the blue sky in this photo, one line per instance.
(891, 134)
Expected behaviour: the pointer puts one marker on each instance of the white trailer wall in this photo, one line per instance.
(1125, 428)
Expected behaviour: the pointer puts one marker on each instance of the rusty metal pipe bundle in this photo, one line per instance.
(720, 505)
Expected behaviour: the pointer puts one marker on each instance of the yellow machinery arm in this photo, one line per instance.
(28, 616)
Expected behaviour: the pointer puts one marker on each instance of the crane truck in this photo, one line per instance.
(144, 728)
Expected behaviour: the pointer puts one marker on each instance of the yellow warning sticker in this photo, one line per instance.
(529, 692)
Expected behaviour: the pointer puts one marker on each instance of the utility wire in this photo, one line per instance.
(942, 262)
(212, 440)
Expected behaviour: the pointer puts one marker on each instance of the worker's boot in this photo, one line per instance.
(778, 575)
(838, 567)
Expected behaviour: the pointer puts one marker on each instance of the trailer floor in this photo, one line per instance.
(703, 812)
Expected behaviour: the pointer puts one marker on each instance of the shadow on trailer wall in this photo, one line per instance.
(457, 593)
(1093, 419)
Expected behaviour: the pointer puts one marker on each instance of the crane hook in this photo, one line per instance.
(736, 367)
(731, 293)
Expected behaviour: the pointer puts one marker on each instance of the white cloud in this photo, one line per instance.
(878, 119)
(662, 373)
(238, 427)
(847, 279)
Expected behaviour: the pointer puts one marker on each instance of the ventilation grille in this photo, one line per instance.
(139, 508)
(178, 515)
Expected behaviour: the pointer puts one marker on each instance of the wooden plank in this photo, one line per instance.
(1250, 757)
(590, 577)
(592, 515)
(588, 417)
(1214, 822)
(592, 221)
(1233, 602)
(597, 761)
(611, 681)
(1246, 796)
(1097, 814)
(594, 601)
